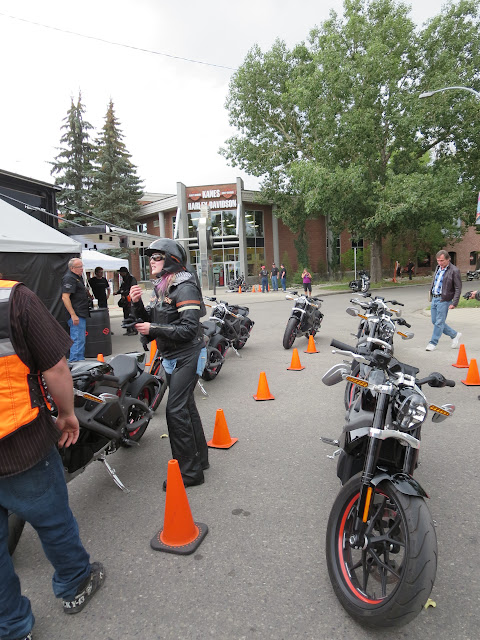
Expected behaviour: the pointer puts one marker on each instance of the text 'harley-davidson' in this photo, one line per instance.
(381, 545)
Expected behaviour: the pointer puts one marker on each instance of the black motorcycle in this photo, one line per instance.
(362, 284)
(381, 544)
(379, 323)
(473, 275)
(236, 284)
(109, 419)
(305, 319)
(217, 347)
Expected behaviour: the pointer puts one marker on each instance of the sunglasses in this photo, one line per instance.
(156, 257)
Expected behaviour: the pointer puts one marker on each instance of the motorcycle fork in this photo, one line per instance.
(358, 538)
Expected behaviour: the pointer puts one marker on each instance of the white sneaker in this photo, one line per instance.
(456, 340)
(430, 346)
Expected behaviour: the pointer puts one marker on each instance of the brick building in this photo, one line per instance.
(246, 233)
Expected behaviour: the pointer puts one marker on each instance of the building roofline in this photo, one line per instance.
(10, 174)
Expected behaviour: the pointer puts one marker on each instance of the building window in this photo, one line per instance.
(144, 265)
(473, 259)
(142, 227)
(254, 230)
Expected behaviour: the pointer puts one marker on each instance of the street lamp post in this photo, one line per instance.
(427, 94)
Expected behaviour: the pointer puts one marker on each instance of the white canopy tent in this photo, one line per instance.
(92, 259)
(22, 233)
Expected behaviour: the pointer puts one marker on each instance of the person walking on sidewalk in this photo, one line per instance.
(32, 481)
(264, 279)
(274, 277)
(77, 302)
(307, 282)
(124, 291)
(283, 277)
(410, 267)
(445, 293)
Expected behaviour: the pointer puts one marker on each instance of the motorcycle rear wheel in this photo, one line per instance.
(290, 333)
(387, 583)
(146, 395)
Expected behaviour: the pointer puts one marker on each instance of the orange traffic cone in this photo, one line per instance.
(295, 365)
(100, 357)
(263, 392)
(253, 288)
(153, 350)
(311, 346)
(180, 534)
(239, 289)
(473, 379)
(462, 362)
(221, 436)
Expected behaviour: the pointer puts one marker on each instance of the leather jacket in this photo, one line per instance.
(451, 284)
(175, 321)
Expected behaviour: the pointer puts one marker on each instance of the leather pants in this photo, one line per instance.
(187, 439)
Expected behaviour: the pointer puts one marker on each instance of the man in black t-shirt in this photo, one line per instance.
(100, 288)
(124, 290)
(76, 301)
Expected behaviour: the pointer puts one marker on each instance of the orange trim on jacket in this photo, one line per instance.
(16, 405)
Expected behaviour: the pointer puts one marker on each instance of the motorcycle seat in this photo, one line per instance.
(240, 311)
(209, 328)
(124, 367)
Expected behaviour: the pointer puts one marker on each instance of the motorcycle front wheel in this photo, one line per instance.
(290, 333)
(214, 362)
(242, 338)
(387, 583)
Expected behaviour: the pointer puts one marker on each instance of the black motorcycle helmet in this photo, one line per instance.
(175, 254)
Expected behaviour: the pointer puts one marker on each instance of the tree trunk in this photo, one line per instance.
(376, 261)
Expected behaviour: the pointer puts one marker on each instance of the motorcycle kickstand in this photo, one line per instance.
(202, 388)
(113, 474)
(236, 352)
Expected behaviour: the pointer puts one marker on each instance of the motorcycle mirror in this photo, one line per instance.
(406, 335)
(351, 311)
(438, 417)
(335, 374)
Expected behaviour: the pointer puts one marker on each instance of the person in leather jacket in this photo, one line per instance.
(173, 320)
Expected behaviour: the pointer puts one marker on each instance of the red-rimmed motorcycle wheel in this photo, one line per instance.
(387, 583)
(146, 395)
(213, 366)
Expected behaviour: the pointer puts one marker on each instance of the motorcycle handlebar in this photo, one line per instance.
(336, 344)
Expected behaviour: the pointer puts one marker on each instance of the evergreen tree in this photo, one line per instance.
(116, 188)
(73, 165)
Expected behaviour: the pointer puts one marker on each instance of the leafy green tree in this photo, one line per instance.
(73, 165)
(334, 127)
(116, 187)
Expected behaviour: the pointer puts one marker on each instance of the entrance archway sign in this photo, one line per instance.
(205, 246)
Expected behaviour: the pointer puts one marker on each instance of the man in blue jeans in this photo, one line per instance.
(32, 483)
(76, 301)
(445, 293)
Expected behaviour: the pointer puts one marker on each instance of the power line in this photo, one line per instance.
(117, 44)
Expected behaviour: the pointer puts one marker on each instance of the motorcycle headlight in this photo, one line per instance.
(411, 409)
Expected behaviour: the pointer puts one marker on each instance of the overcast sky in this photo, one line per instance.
(171, 111)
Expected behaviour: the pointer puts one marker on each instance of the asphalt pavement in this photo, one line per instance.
(261, 573)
